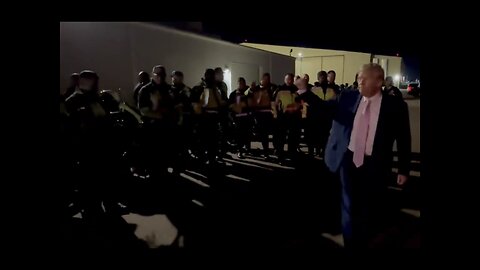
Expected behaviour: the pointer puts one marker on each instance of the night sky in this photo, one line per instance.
(287, 34)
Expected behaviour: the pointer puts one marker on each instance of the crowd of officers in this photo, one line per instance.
(206, 122)
(173, 124)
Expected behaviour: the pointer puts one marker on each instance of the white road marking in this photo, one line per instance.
(237, 177)
(266, 163)
(196, 181)
(197, 174)
(198, 203)
(248, 164)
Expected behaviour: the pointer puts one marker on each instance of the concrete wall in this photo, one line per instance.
(118, 51)
(345, 63)
(394, 65)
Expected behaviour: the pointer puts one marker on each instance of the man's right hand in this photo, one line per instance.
(401, 179)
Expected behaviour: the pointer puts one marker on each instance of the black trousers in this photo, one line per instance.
(243, 127)
(365, 206)
(287, 131)
(324, 132)
(312, 132)
(263, 126)
(209, 129)
(186, 133)
(159, 142)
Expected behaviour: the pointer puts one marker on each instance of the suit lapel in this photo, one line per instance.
(352, 108)
(381, 122)
(357, 102)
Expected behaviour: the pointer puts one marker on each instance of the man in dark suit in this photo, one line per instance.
(360, 148)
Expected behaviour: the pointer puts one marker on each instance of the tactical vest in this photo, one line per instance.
(329, 94)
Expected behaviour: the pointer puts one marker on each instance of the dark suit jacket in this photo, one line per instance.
(393, 124)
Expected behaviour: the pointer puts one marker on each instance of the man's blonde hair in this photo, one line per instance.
(376, 68)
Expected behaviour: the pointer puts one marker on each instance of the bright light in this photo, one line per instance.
(397, 77)
(299, 54)
(227, 78)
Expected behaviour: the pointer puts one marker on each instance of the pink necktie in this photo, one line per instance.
(361, 138)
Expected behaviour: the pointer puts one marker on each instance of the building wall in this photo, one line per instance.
(394, 64)
(118, 51)
(353, 63)
(102, 47)
(346, 64)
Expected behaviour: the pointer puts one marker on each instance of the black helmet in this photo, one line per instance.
(177, 73)
(144, 77)
(89, 74)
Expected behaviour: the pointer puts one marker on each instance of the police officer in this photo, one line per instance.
(390, 89)
(225, 123)
(311, 106)
(87, 97)
(180, 94)
(220, 83)
(287, 113)
(322, 88)
(159, 119)
(143, 79)
(261, 102)
(95, 157)
(327, 93)
(331, 81)
(208, 103)
(238, 105)
(154, 99)
(181, 97)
